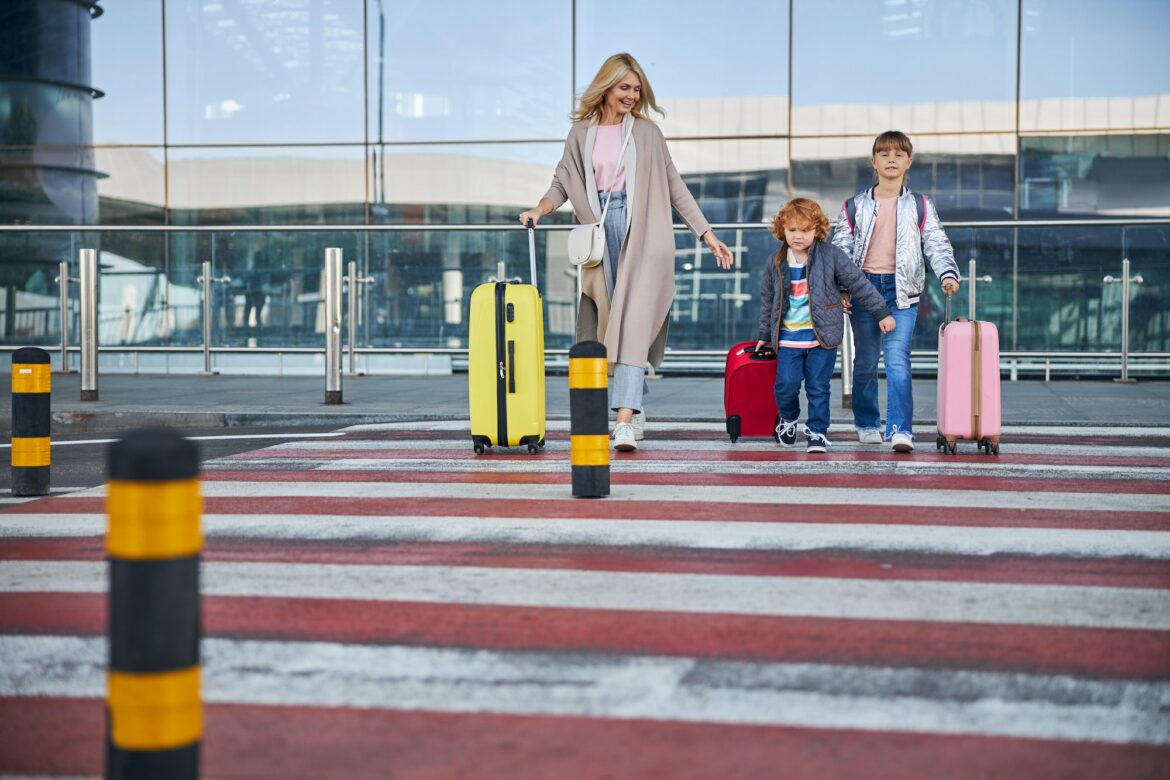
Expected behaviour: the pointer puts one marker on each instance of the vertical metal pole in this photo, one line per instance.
(847, 365)
(1124, 320)
(971, 289)
(353, 298)
(206, 279)
(89, 353)
(333, 325)
(1125, 282)
(63, 280)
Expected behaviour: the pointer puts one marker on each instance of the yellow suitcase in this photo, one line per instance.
(505, 364)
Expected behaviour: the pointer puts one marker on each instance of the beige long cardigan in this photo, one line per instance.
(632, 319)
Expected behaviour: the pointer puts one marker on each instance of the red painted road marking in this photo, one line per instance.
(877, 564)
(65, 736)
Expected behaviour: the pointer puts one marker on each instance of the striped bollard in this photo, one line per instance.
(589, 419)
(30, 422)
(154, 714)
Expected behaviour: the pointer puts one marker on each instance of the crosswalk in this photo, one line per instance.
(384, 603)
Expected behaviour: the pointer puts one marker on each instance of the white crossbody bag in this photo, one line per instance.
(587, 242)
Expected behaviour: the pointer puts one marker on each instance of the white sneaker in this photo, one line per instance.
(624, 439)
(639, 423)
(901, 442)
(869, 436)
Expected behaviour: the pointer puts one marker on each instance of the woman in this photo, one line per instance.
(625, 300)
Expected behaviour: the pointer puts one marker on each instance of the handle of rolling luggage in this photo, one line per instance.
(532, 249)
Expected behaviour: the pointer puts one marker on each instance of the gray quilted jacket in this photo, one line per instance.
(909, 265)
(829, 272)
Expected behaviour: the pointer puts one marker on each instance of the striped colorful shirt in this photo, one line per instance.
(796, 331)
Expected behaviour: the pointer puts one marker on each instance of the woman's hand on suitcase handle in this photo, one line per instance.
(950, 286)
(532, 215)
(887, 325)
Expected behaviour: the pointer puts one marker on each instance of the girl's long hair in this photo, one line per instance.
(613, 70)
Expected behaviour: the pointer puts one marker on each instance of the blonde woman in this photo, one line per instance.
(626, 299)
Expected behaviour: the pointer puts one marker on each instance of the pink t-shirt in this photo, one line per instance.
(605, 153)
(879, 257)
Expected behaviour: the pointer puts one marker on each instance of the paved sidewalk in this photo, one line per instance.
(210, 401)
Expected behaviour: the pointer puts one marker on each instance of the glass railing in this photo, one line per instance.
(1042, 283)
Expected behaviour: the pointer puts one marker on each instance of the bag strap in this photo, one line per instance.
(851, 214)
(616, 168)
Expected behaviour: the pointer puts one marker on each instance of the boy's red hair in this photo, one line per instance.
(802, 214)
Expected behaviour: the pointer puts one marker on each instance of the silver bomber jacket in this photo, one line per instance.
(909, 265)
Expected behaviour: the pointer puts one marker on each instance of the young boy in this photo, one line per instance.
(887, 230)
(800, 311)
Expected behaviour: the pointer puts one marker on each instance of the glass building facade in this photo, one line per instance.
(231, 114)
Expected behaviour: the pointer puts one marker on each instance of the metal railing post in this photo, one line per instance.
(206, 279)
(355, 285)
(89, 351)
(64, 280)
(333, 325)
(847, 365)
(971, 280)
(1125, 281)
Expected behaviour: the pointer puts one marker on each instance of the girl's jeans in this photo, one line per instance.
(870, 342)
(815, 367)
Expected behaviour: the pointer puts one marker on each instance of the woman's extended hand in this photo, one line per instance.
(719, 249)
(531, 214)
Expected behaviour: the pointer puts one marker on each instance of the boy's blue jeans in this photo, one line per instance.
(870, 342)
(813, 366)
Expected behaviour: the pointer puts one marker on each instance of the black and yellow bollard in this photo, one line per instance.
(30, 422)
(589, 419)
(154, 712)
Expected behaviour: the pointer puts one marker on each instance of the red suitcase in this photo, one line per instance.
(749, 398)
(968, 384)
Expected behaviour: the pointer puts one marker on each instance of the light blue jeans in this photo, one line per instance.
(870, 342)
(629, 382)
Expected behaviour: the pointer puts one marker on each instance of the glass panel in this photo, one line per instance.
(1084, 66)
(128, 68)
(461, 183)
(273, 294)
(734, 181)
(139, 300)
(1116, 175)
(992, 251)
(721, 73)
(244, 72)
(1062, 268)
(264, 185)
(132, 190)
(1148, 250)
(966, 176)
(915, 65)
(508, 73)
(29, 292)
(49, 185)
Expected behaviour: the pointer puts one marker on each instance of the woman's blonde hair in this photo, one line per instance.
(613, 70)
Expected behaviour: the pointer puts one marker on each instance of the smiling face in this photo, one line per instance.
(891, 164)
(621, 98)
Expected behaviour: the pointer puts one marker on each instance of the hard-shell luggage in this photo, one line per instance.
(505, 362)
(968, 383)
(749, 397)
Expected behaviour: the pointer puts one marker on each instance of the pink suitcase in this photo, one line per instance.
(968, 383)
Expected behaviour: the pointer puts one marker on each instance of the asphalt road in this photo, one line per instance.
(79, 460)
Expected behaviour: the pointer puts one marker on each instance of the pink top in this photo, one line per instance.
(879, 257)
(605, 153)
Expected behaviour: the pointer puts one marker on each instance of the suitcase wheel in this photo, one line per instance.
(533, 449)
(733, 427)
(479, 448)
(939, 442)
